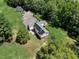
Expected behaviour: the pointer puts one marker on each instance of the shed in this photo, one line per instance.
(40, 30)
(19, 9)
(42, 22)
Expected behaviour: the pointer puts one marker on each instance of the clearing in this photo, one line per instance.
(28, 51)
(12, 51)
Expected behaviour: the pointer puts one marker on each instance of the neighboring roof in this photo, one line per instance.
(19, 8)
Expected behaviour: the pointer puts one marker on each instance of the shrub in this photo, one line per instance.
(14, 3)
(5, 30)
(22, 37)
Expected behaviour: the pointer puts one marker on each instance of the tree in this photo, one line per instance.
(69, 18)
(51, 51)
(5, 30)
(15, 3)
(37, 6)
(22, 36)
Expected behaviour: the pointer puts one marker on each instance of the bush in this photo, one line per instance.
(22, 37)
(5, 30)
(14, 3)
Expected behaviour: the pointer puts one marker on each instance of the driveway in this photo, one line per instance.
(28, 18)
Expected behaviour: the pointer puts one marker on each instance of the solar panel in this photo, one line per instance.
(41, 32)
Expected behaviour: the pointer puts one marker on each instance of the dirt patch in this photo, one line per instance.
(14, 35)
(27, 17)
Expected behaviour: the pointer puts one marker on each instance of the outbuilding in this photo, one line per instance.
(19, 9)
(40, 30)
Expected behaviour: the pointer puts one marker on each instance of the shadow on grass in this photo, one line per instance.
(37, 36)
(1, 43)
(38, 56)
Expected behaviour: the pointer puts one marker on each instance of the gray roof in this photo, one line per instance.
(42, 22)
(19, 8)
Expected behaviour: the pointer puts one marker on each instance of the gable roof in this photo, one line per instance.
(19, 8)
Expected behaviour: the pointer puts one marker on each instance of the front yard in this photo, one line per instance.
(34, 45)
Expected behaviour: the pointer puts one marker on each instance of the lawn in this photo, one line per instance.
(34, 45)
(12, 51)
(12, 16)
(61, 36)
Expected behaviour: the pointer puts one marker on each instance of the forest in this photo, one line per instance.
(62, 14)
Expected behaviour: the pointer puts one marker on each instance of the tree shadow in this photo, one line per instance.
(37, 56)
(1, 42)
(36, 34)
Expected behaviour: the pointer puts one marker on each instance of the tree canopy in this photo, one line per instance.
(5, 30)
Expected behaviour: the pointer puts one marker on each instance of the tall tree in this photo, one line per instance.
(5, 30)
(15, 3)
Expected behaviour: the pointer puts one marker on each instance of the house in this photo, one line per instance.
(35, 26)
(38, 28)
(42, 23)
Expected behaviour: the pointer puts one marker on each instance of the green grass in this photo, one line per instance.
(61, 37)
(12, 51)
(11, 15)
(62, 44)
(34, 45)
